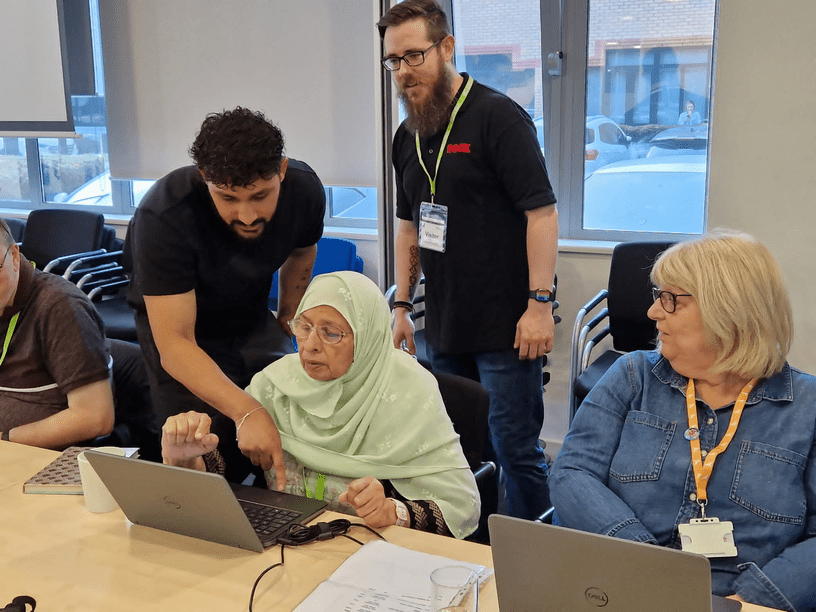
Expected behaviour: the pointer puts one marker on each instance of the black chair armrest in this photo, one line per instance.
(486, 470)
(106, 287)
(96, 277)
(67, 259)
(97, 258)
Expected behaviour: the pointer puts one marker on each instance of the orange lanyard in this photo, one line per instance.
(703, 469)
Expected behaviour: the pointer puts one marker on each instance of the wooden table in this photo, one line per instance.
(70, 560)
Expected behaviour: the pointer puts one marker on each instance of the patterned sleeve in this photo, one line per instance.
(214, 461)
(425, 515)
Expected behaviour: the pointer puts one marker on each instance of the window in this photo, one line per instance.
(634, 86)
(351, 206)
(63, 172)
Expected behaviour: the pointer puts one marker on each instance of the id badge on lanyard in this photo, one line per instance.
(433, 226)
(708, 535)
(433, 218)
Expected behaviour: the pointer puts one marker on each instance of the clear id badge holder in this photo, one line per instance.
(433, 226)
(708, 536)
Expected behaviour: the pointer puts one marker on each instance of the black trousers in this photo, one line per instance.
(240, 358)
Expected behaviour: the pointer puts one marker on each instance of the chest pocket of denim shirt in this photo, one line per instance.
(769, 481)
(644, 442)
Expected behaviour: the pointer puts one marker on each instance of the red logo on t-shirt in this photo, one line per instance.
(458, 148)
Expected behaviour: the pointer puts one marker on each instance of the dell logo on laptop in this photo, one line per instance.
(172, 504)
(596, 597)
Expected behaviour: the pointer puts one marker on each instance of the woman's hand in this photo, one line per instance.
(185, 438)
(367, 497)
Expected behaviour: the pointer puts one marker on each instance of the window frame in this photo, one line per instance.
(565, 29)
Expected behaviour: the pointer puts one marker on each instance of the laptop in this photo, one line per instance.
(544, 567)
(199, 504)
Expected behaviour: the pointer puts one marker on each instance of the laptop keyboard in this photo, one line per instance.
(268, 521)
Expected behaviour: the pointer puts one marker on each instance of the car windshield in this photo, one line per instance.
(649, 199)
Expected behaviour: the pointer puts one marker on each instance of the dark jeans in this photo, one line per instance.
(240, 358)
(515, 421)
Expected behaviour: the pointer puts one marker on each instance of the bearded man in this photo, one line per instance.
(477, 211)
(206, 241)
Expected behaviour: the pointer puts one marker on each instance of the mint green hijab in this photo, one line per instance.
(384, 417)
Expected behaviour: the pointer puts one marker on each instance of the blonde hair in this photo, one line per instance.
(742, 298)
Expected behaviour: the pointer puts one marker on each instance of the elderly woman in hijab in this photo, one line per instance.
(362, 424)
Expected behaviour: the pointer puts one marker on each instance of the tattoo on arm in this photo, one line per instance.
(413, 270)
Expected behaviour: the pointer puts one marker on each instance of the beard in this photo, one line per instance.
(237, 226)
(429, 116)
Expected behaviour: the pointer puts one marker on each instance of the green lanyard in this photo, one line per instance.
(9, 332)
(455, 111)
(319, 487)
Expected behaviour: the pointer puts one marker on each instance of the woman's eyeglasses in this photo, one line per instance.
(327, 333)
(668, 300)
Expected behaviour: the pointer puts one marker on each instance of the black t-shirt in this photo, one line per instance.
(180, 244)
(491, 173)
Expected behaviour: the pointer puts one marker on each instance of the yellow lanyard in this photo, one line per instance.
(320, 486)
(703, 469)
(455, 111)
(9, 332)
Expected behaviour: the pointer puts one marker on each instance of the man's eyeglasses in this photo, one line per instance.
(327, 333)
(668, 300)
(413, 59)
(5, 255)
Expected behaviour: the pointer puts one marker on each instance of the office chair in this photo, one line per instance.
(17, 227)
(105, 277)
(333, 255)
(468, 404)
(55, 237)
(134, 423)
(628, 298)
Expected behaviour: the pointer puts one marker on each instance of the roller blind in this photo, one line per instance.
(35, 98)
(309, 65)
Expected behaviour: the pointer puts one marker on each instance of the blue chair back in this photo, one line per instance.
(333, 255)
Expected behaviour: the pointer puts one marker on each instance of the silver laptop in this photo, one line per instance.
(199, 504)
(543, 567)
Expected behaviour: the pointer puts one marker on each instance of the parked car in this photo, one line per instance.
(97, 192)
(604, 143)
(682, 140)
(661, 194)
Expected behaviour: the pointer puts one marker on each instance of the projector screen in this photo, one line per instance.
(34, 74)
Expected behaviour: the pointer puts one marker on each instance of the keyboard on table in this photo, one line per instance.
(268, 521)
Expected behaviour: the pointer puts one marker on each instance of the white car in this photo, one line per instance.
(659, 194)
(97, 192)
(604, 143)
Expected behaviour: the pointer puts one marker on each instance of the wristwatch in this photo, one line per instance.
(402, 512)
(542, 295)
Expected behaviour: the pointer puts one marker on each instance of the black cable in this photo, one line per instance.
(262, 574)
(305, 534)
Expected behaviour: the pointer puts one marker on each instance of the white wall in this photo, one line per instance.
(763, 170)
(762, 155)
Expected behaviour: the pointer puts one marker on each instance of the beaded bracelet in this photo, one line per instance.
(407, 305)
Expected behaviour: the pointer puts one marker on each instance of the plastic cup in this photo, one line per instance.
(455, 588)
(97, 497)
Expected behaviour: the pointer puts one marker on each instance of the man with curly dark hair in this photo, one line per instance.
(206, 242)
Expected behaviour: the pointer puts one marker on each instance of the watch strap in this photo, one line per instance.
(542, 295)
(403, 517)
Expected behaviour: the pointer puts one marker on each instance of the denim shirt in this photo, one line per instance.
(625, 471)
